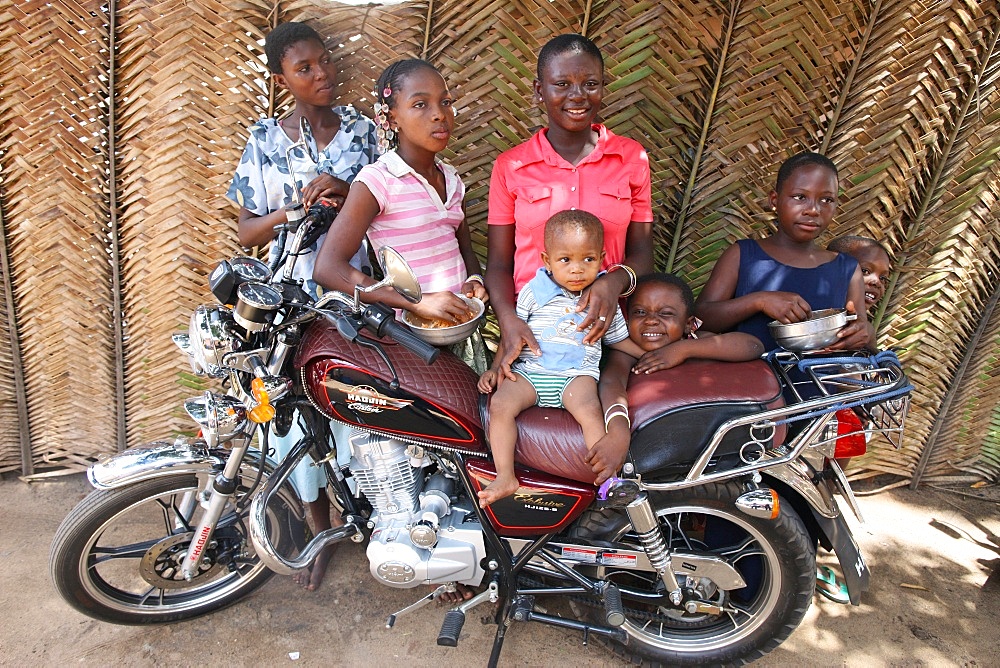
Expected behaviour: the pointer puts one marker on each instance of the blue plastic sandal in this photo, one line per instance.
(828, 585)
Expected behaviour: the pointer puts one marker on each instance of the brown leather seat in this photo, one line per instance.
(690, 400)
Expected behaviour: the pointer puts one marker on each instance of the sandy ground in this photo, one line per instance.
(935, 560)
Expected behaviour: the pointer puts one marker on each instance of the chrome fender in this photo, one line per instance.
(798, 475)
(154, 460)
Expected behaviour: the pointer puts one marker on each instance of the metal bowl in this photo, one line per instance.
(445, 336)
(816, 332)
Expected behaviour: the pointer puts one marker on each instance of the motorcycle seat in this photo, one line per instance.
(674, 414)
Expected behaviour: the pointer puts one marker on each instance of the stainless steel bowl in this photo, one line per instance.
(445, 336)
(815, 333)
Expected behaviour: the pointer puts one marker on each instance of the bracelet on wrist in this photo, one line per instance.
(623, 414)
(631, 277)
(476, 278)
(619, 406)
(616, 410)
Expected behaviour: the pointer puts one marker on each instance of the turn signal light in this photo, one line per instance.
(259, 391)
(851, 441)
(263, 411)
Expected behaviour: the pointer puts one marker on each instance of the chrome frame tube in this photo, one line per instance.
(267, 552)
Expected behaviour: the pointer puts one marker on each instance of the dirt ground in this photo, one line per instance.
(934, 556)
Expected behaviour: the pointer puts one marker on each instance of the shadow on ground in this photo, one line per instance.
(934, 601)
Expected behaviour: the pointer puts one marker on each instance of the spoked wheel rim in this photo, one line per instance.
(727, 534)
(132, 562)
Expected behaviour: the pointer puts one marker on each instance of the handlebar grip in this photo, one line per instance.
(406, 338)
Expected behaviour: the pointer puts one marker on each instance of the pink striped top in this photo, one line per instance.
(415, 222)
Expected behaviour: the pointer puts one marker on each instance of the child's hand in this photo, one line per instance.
(325, 185)
(785, 307)
(666, 357)
(854, 335)
(488, 381)
(607, 456)
(477, 290)
(440, 305)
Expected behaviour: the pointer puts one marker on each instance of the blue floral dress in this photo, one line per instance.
(263, 181)
(262, 184)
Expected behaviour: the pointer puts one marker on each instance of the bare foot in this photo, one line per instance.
(503, 486)
(311, 578)
(461, 593)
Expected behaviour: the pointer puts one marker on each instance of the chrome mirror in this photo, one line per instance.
(307, 142)
(399, 275)
(307, 139)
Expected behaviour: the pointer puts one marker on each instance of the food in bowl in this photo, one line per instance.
(443, 333)
(437, 323)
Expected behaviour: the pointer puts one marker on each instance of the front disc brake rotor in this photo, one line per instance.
(161, 565)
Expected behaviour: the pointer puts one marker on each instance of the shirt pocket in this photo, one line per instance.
(532, 205)
(614, 203)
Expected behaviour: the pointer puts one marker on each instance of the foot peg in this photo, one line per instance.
(454, 620)
(617, 492)
(614, 611)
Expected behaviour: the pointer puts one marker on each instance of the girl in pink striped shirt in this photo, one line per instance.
(409, 200)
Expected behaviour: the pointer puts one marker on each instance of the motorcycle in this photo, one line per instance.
(701, 550)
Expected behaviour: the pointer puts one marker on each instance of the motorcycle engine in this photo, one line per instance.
(420, 536)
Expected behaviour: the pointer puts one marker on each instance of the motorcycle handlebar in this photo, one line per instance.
(383, 321)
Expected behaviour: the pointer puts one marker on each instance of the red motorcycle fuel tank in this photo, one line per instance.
(435, 402)
(542, 504)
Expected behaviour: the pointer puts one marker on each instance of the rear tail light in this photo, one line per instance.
(851, 441)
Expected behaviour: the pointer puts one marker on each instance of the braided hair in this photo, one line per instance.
(389, 82)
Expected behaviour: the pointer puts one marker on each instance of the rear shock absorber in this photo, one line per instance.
(647, 526)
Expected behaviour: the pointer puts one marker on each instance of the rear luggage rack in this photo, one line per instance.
(820, 385)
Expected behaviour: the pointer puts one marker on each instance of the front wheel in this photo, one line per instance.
(776, 559)
(116, 557)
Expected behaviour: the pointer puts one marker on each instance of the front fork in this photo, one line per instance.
(223, 489)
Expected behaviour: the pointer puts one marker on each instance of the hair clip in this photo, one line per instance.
(386, 92)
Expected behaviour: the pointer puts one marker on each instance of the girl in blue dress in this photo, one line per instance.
(300, 63)
(787, 275)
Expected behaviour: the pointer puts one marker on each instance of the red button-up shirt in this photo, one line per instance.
(531, 182)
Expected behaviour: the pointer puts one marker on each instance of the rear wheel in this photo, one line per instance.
(776, 559)
(116, 557)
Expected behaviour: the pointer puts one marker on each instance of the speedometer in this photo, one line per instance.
(250, 269)
(256, 304)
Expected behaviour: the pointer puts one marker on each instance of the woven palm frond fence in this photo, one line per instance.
(121, 124)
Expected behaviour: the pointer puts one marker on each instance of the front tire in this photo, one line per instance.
(776, 558)
(116, 556)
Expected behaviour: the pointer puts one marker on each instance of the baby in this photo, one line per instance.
(566, 373)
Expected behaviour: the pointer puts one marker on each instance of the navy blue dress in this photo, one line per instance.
(824, 286)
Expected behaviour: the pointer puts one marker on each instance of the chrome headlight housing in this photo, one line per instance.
(220, 416)
(210, 336)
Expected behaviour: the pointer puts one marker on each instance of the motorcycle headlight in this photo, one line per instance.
(210, 338)
(220, 416)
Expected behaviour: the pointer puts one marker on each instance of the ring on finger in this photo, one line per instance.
(602, 318)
